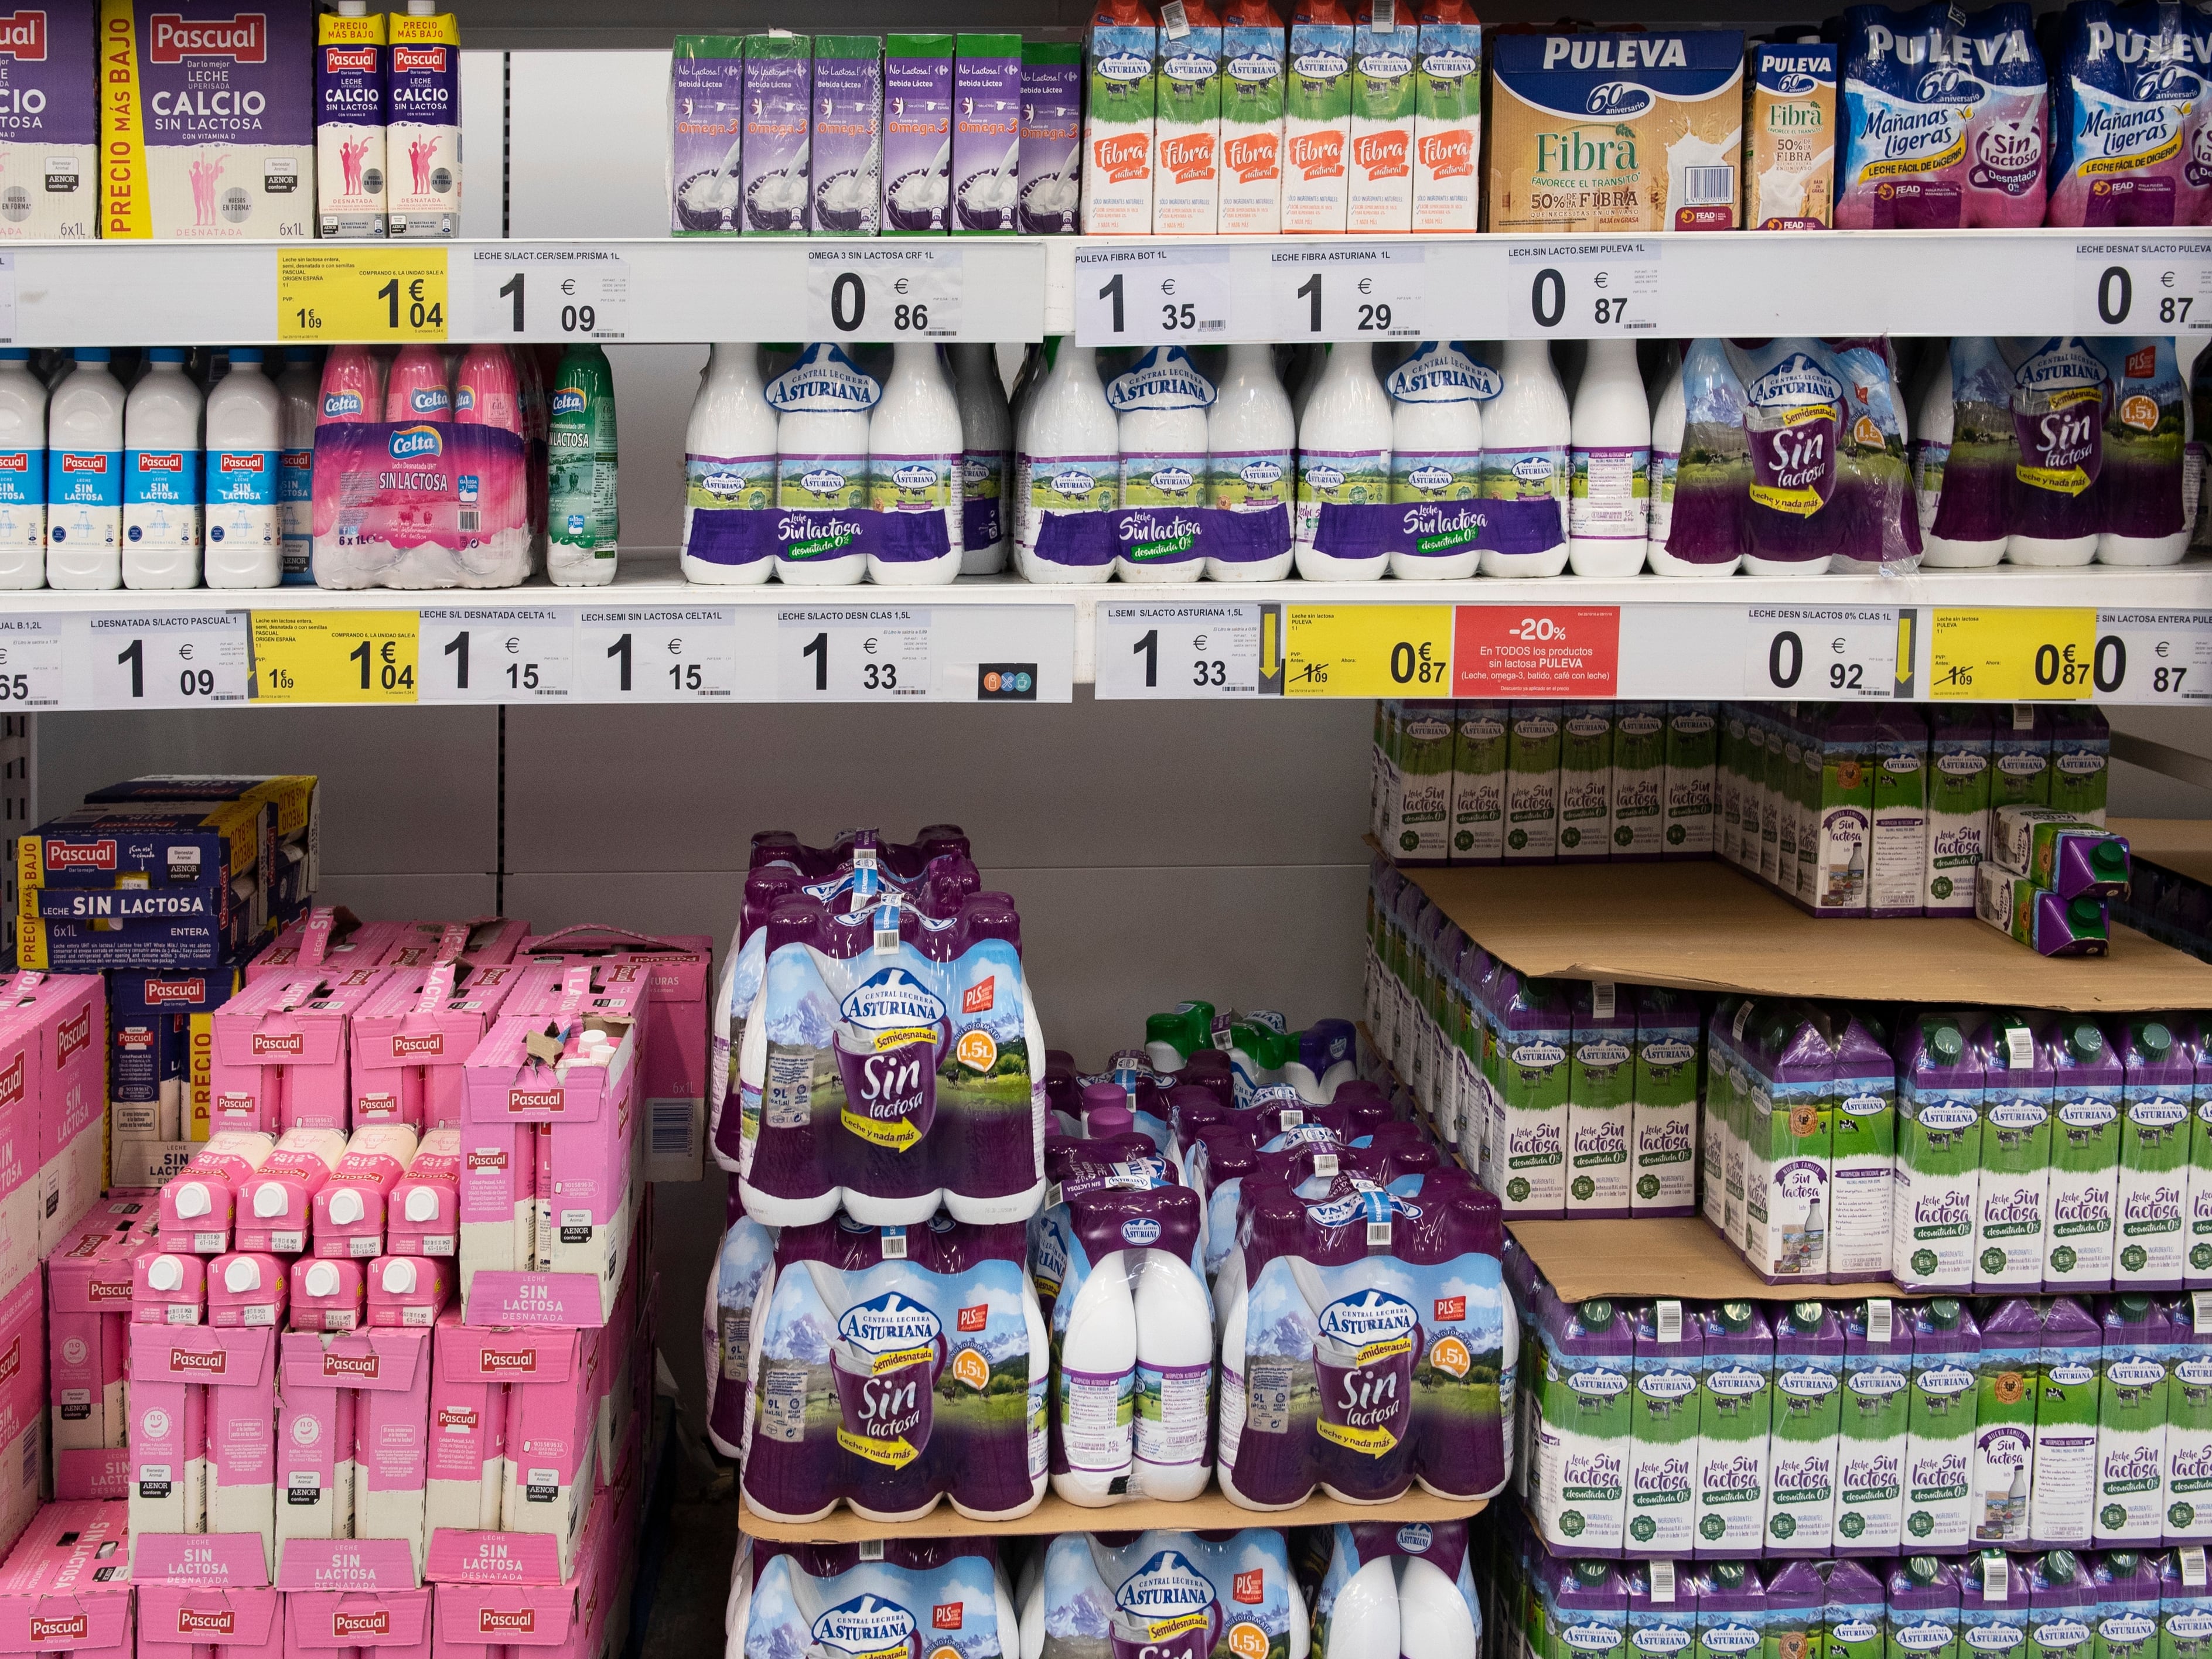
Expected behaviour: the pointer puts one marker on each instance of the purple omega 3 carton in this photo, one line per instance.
(706, 129)
(987, 145)
(183, 161)
(48, 144)
(779, 89)
(848, 135)
(917, 133)
(1052, 137)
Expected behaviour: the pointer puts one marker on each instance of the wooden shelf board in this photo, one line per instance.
(1679, 1256)
(1210, 1512)
(2182, 845)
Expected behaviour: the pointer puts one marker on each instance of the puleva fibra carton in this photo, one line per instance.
(207, 117)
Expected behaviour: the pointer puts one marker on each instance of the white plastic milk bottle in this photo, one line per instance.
(23, 473)
(915, 458)
(301, 387)
(729, 455)
(1251, 438)
(1344, 457)
(161, 469)
(245, 430)
(986, 442)
(1070, 458)
(1608, 506)
(84, 477)
(1526, 433)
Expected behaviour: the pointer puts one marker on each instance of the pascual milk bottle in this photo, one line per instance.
(161, 476)
(84, 477)
(244, 431)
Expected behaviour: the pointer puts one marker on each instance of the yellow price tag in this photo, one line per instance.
(334, 656)
(2013, 655)
(368, 294)
(1367, 650)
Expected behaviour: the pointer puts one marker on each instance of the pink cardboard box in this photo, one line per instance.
(498, 1199)
(275, 1206)
(282, 1049)
(391, 1375)
(468, 1430)
(209, 1621)
(410, 1039)
(89, 1317)
(479, 942)
(199, 1204)
(326, 1296)
(314, 1441)
(20, 1068)
(329, 938)
(168, 1441)
(561, 1621)
(168, 1287)
(246, 1288)
(423, 1214)
(65, 1587)
(68, 1097)
(22, 1401)
(235, 1372)
(550, 1457)
(674, 1086)
(385, 1623)
(581, 1085)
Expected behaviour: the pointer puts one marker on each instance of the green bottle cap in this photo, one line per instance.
(1922, 1569)
(2061, 1566)
(2154, 1038)
(2122, 1562)
(1728, 1575)
(2109, 857)
(1807, 1315)
(1170, 1029)
(1735, 1316)
(2084, 1040)
(1595, 1314)
(2087, 915)
(2133, 1308)
(1945, 1043)
(1943, 1313)
(1592, 1573)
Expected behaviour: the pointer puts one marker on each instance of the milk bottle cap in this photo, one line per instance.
(1728, 1575)
(399, 1276)
(423, 1203)
(2122, 1562)
(2060, 1566)
(1594, 1573)
(1944, 1043)
(346, 1208)
(1735, 1316)
(321, 1280)
(1595, 1315)
(1921, 1568)
(2084, 1040)
(2087, 913)
(268, 1200)
(2154, 1038)
(2110, 858)
(2133, 1308)
(166, 1274)
(1943, 1313)
(1805, 1316)
(241, 1275)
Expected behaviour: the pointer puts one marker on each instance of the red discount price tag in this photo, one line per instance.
(1535, 650)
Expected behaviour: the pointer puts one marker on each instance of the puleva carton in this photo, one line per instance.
(1789, 136)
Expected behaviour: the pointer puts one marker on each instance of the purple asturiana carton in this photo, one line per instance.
(848, 135)
(47, 139)
(1052, 138)
(987, 103)
(706, 131)
(779, 84)
(917, 133)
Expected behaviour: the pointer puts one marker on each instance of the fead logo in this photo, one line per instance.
(278, 1043)
(23, 36)
(979, 998)
(81, 855)
(433, 1044)
(243, 38)
(361, 1624)
(418, 60)
(192, 1621)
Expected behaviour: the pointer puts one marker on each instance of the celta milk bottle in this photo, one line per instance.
(161, 476)
(84, 477)
(1160, 406)
(729, 457)
(1435, 458)
(1525, 432)
(1251, 439)
(1344, 457)
(23, 473)
(245, 430)
(299, 385)
(914, 460)
(1608, 506)
(1069, 460)
(987, 443)
(822, 402)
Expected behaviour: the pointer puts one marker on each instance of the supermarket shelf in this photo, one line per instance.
(1210, 1512)
(1830, 282)
(1705, 927)
(2180, 844)
(1680, 1256)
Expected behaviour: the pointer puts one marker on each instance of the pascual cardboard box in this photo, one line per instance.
(49, 141)
(67, 1016)
(386, 1624)
(495, 1592)
(209, 1621)
(411, 1037)
(315, 1442)
(231, 1375)
(282, 1047)
(65, 1586)
(156, 1022)
(550, 1457)
(87, 1319)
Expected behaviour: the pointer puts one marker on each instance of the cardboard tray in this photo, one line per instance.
(1209, 1512)
(1704, 926)
(1679, 1256)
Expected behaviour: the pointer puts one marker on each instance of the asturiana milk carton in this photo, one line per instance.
(1447, 118)
(1186, 172)
(1735, 1418)
(1664, 1409)
(1318, 124)
(1379, 188)
(1939, 1137)
(1118, 123)
(1579, 1484)
(1871, 1438)
(1939, 1443)
(1805, 1446)
(1253, 74)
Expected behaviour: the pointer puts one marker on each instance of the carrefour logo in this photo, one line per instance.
(412, 443)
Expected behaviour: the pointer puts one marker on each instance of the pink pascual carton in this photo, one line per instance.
(282, 1051)
(410, 1039)
(480, 942)
(357, 1623)
(392, 1413)
(423, 1215)
(350, 1208)
(168, 1287)
(326, 939)
(234, 1373)
(22, 1402)
(326, 1295)
(69, 1014)
(550, 1463)
(582, 1084)
(493, 1601)
(65, 1587)
(498, 1200)
(674, 1084)
(408, 1292)
(275, 1206)
(87, 1321)
(199, 1204)
(19, 1071)
(247, 1290)
(468, 1431)
(315, 1440)
(168, 1440)
(209, 1621)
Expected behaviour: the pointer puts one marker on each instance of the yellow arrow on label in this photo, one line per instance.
(2013, 655)
(335, 656)
(368, 293)
(1367, 650)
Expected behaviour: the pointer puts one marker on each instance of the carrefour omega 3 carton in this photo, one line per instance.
(1616, 133)
(207, 119)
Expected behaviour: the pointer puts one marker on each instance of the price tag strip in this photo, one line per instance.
(1378, 292)
(1178, 650)
(1152, 296)
(32, 650)
(2144, 285)
(899, 291)
(334, 656)
(862, 654)
(497, 656)
(1367, 650)
(1836, 652)
(657, 653)
(2024, 655)
(543, 293)
(186, 659)
(2153, 656)
(1582, 290)
(365, 293)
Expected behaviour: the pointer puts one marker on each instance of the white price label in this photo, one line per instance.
(32, 650)
(1376, 293)
(179, 661)
(660, 653)
(1178, 650)
(2153, 656)
(497, 656)
(1830, 651)
(544, 294)
(2147, 285)
(1582, 291)
(1151, 295)
(859, 655)
(891, 293)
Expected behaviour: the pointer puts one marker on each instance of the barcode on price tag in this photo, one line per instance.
(863, 654)
(31, 652)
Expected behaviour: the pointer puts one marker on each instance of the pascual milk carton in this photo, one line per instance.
(208, 116)
(1939, 1426)
(1735, 1421)
(48, 144)
(1877, 1395)
(1663, 1410)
